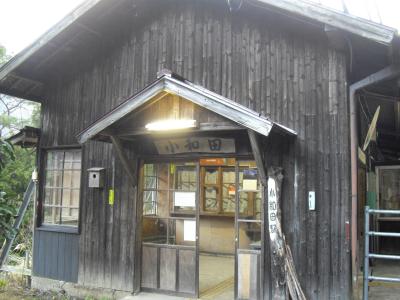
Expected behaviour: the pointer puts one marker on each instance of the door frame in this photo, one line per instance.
(142, 159)
(262, 235)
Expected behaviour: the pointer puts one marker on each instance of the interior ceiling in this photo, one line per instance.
(386, 96)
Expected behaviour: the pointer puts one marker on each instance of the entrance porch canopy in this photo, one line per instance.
(111, 124)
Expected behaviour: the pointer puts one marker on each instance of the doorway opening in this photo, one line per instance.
(201, 228)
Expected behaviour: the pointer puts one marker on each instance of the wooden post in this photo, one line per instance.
(266, 281)
(277, 243)
(283, 276)
(125, 162)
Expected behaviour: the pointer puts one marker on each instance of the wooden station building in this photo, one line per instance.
(148, 177)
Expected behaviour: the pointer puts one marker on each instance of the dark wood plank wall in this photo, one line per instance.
(297, 81)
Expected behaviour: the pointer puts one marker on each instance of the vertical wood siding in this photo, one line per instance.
(56, 255)
(298, 82)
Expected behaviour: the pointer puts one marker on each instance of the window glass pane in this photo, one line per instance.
(150, 179)
(228, 190)
(389, 189)
(149, 202)
(163, 176)
(69, 216)
(76, 179)
(162, 204)
(184, 202)
(250, 235)
(69, 157)
(61, 187)
(211, 176)
(67, 179)
(211, 200)
(53, 179)
(55, 160)
(51, 215)
(52, 196)
(66, 197)
(75, 198)
(182, 232)
(186, 178)
(155, 230)
(150, 182)
(249, 195)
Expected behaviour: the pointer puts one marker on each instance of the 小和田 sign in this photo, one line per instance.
(195, 144)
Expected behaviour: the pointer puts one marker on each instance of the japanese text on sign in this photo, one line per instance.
(272, 206)
(195, 144)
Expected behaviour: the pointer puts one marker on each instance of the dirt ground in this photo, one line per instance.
(16, 288)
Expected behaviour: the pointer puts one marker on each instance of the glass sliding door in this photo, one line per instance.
(170, 227)
(249, 223)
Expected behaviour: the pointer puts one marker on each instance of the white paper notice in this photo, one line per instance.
(249, 185)
(189, 230)
(185, 199)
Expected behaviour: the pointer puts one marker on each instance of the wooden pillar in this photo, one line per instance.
(124, 160)
(267, 278)
(278, 262)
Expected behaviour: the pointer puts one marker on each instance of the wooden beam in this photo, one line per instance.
(124, 160)
(90, 30)
(255, 146)
(58, 50)
(203, 127)
(266, 254)
(358, 26)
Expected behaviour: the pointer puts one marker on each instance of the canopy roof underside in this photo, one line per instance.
(121, 118)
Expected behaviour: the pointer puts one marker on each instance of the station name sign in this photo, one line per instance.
(195, 145)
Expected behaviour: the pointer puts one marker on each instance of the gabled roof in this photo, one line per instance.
(218, 104)
(24, 75)
(27, 137)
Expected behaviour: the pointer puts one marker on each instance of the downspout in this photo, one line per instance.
(387, 73)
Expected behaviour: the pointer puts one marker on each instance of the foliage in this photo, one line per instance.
(7, 210)
(16, 164)
(3, 284)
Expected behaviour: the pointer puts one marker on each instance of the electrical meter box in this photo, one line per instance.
(96, 177)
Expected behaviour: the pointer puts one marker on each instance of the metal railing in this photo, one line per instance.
(368, 255)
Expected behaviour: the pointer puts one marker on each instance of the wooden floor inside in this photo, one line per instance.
(216, 277)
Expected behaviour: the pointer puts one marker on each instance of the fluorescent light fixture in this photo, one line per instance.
(165, 125)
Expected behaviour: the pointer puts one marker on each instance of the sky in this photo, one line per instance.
(23, 21)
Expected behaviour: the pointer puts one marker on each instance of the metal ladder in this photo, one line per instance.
(368, 255)
(17, 223)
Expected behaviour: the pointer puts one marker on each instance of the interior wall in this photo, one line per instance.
(217, 235)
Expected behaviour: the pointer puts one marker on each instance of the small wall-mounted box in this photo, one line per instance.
(96, 177)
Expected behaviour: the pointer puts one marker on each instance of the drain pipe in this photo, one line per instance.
(387, 73)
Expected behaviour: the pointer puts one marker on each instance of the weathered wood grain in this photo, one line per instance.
(296, 80)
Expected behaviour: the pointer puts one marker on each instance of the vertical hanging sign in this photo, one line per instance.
(272, 208)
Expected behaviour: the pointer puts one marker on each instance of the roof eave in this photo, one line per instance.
(227, 108)
(361, 27)
(44, 39)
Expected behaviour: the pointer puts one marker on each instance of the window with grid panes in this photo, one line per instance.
(61, 191)
(150, 189)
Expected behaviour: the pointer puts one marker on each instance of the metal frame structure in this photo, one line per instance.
(367, 255)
